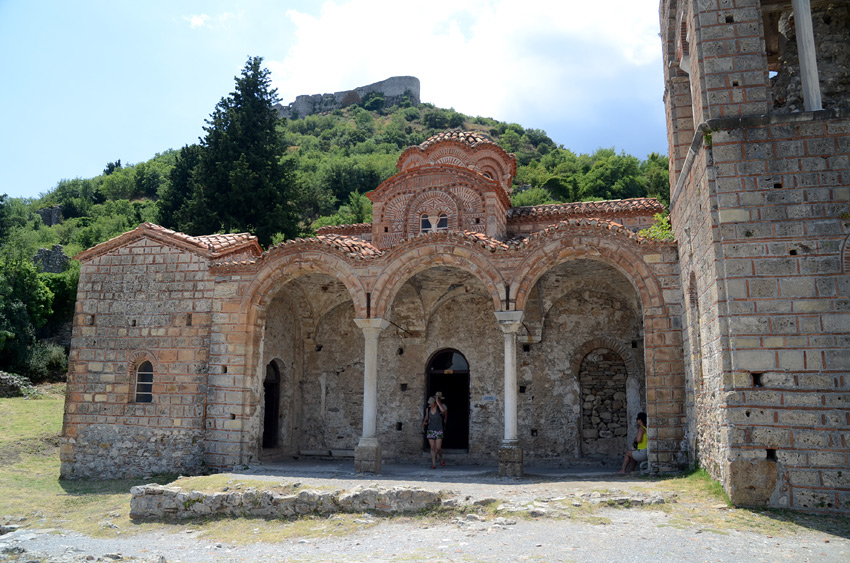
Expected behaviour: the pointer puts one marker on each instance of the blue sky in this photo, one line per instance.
(90, 82)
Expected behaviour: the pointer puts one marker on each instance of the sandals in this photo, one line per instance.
(442, 463)
(433, 467)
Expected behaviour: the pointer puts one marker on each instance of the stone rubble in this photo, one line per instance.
(161, 502)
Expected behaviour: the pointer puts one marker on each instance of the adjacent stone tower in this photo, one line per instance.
(759, 134)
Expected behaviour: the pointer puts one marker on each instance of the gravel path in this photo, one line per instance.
(612, 534)
(632, 535)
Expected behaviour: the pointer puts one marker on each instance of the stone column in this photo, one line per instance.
(807, 54)
(510, 454)
(367, 455)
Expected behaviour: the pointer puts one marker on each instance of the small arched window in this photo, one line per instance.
(425, 225)
(443, 223)
(144, 383)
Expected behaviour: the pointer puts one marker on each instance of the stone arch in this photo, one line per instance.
(597, 243)
(634, 400)
(410, 259)
(611, 244)
(284, 267)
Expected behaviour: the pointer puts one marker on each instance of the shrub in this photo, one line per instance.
(45, 362)
(660, 230)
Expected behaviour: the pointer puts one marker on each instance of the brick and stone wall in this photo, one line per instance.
(759, 205)
(145, 301)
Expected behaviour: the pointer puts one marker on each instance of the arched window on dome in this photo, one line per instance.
(144, 382)
(425, 225)
(443, 223)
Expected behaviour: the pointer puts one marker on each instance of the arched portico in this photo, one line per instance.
(274, 316)
(645, 266)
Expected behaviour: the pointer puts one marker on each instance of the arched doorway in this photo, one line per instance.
(448, 372)
(271, 392)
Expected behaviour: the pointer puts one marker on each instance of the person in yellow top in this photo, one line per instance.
(634, 457)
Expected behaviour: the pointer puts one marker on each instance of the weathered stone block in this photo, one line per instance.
(750, 482)
(510, 462)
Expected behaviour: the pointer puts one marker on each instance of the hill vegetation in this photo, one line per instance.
(275, 178)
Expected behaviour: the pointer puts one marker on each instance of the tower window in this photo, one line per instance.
(144, 383)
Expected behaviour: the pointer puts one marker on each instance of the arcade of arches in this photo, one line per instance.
(547, 329)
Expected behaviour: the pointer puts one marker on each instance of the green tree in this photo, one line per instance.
(25, 305)
(172, 206)
(4, 217)
(111, 167)
(532, 196)
(656, 172)
(242, 182)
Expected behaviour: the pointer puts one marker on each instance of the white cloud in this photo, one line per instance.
(196, 20)
(500, 58)
(203, 20)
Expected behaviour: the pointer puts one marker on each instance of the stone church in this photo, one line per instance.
(547, 328)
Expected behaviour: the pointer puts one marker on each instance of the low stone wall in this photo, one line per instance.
(160, 502)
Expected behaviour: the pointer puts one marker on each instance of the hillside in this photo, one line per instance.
(335, 155)
(330, 160)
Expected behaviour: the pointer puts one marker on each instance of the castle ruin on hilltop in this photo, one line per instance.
(394, 90)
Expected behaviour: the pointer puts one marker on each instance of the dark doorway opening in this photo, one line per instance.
(448, 372)
(271, 389)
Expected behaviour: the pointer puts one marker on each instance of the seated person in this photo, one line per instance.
(634, 457)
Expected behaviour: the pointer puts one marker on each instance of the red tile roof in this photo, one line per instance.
(637, 206)
(211, 246)
(351, 229)
(353, 247)
(471, 138)
(220, 243)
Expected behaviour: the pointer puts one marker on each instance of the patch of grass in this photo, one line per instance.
(696, 485)
(218, 482)
(29, 473)
(594, 520)
(703, 503)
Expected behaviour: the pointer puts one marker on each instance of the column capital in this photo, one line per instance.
(379, 324)
(509, 321)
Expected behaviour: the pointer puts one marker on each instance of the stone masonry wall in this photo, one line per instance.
(604, 421)
(284, 345)
(783, 200)
(693, 220)
(145, 301)
(759, 210)
(831, 26)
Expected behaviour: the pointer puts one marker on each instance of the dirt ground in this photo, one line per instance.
(554, 515)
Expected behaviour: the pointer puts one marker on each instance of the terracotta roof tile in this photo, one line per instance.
(585, 208)
(480, 239)
(207, 244)
(218, 243)
(353, 247)
(350, 229)
(471, 138)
